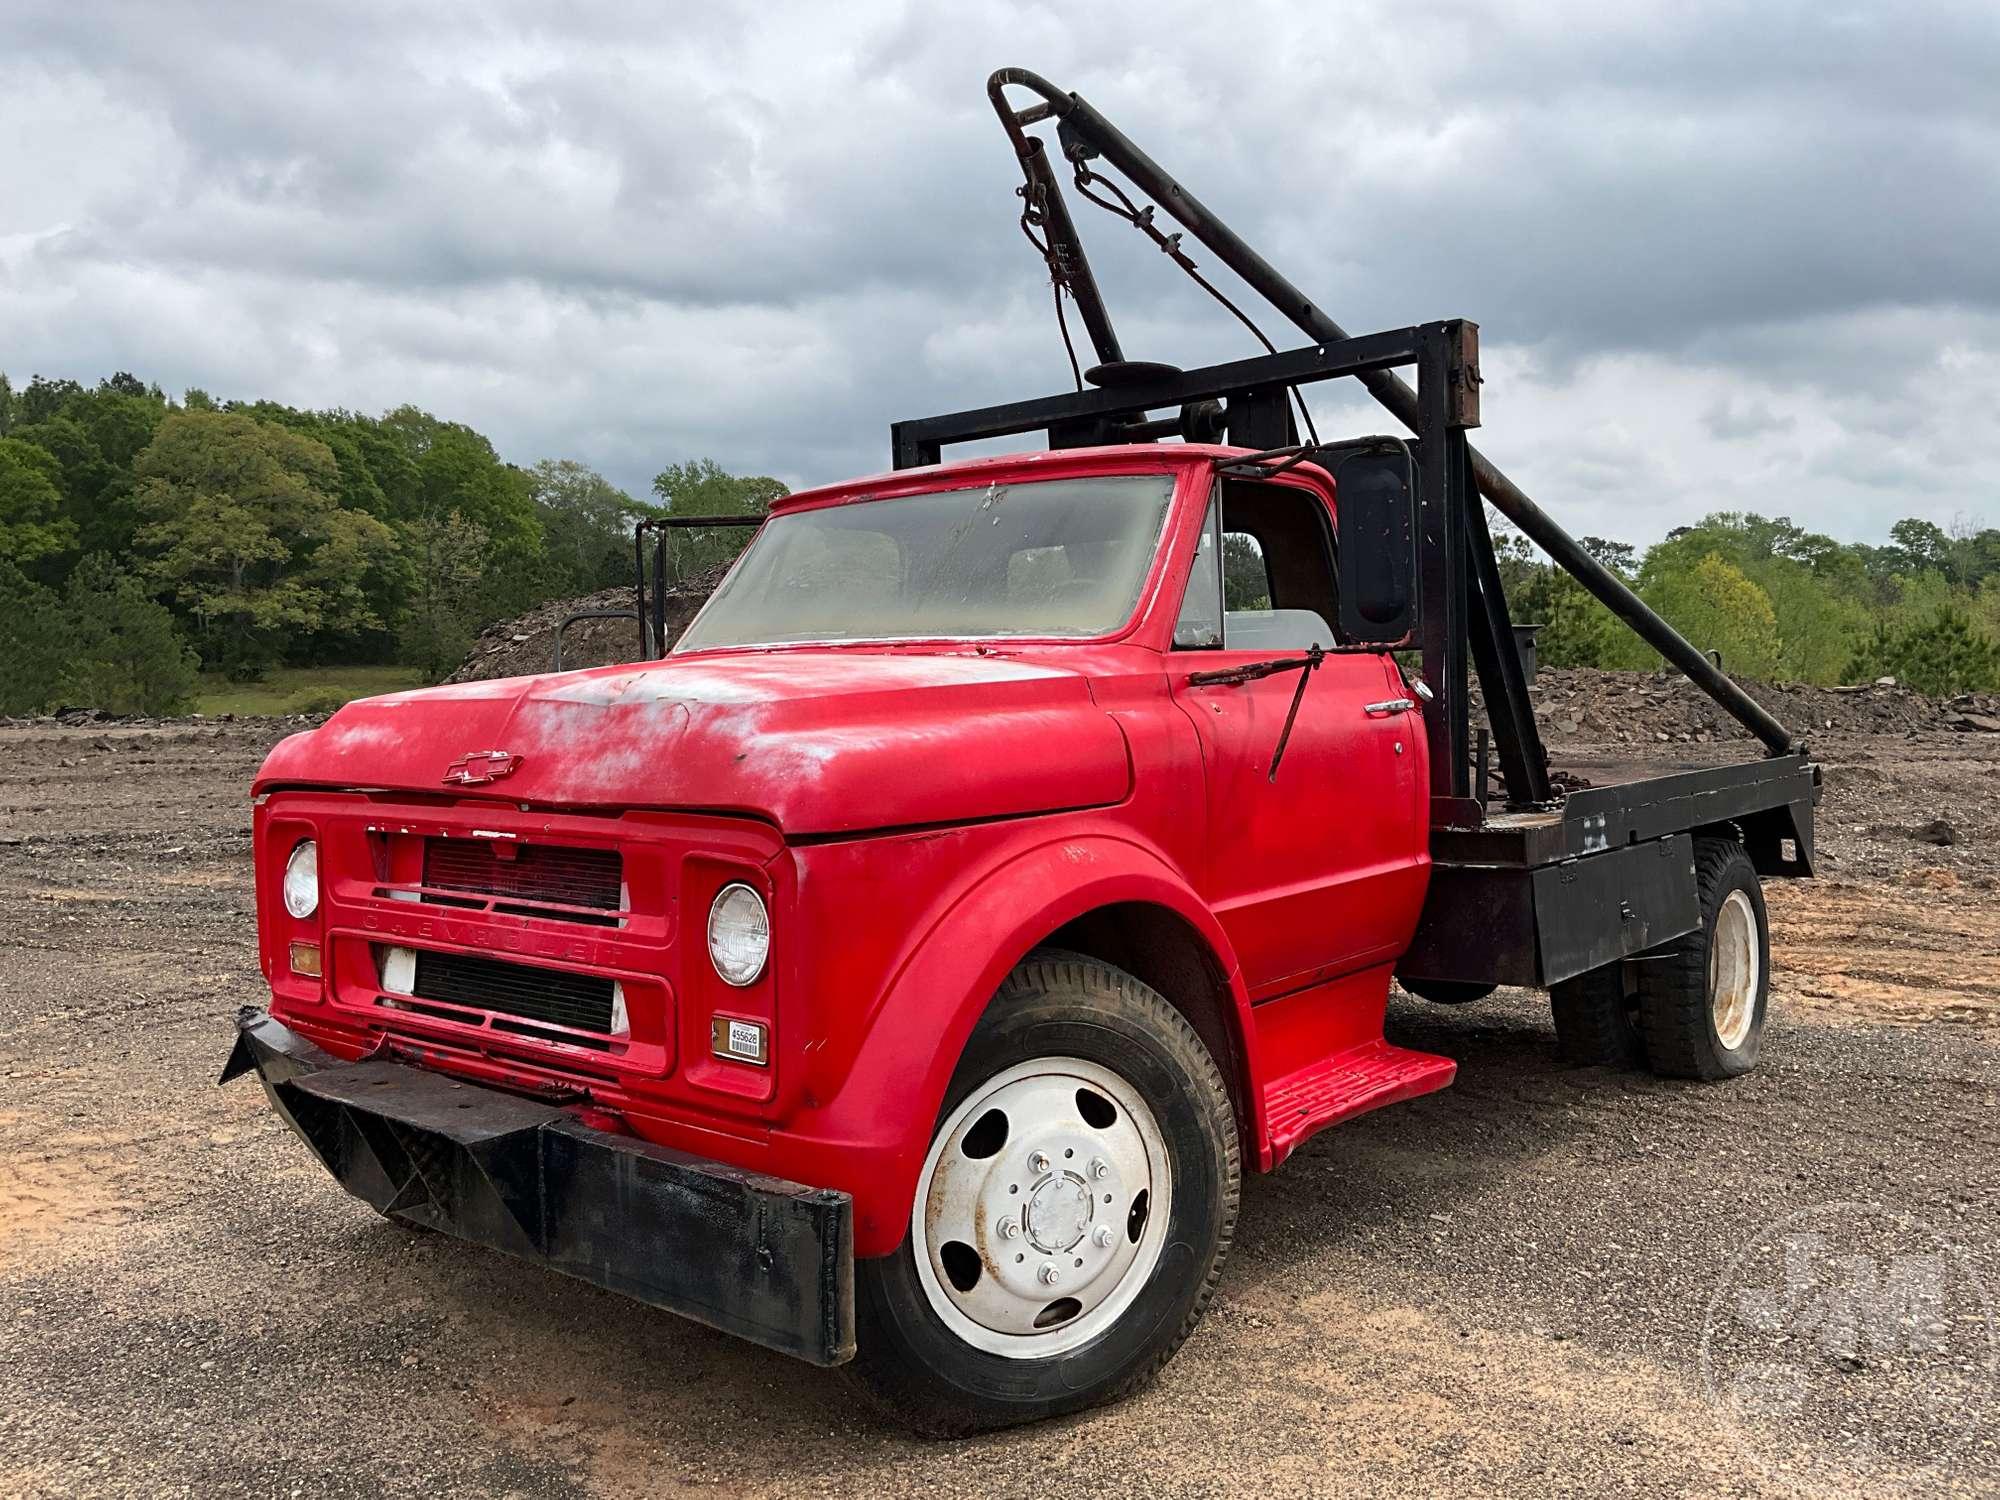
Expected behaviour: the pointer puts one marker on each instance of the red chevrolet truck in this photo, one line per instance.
(902, 969)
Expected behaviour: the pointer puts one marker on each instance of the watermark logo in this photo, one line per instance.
(1848, 1340)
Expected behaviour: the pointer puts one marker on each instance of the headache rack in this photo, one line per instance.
(1565, 876)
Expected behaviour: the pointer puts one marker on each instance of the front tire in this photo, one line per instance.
(1072, 1216)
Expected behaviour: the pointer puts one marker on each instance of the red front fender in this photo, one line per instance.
(877, 1127)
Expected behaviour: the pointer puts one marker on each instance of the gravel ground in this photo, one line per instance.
(1528, 1283)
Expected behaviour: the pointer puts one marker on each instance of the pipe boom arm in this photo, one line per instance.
(1083, 120)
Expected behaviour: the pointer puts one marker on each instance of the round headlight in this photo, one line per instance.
(739, 934)
(302, 880)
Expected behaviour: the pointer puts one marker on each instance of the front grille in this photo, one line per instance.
(526, 875)
(552, 996)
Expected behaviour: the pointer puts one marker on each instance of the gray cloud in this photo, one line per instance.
(1723, 256)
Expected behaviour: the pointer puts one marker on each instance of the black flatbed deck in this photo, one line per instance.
(1628, 803)
(1537, 896)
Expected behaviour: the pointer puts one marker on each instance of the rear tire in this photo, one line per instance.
(1596, 1024)
(1447, 991)
(1080, 1089)
(1703, 998)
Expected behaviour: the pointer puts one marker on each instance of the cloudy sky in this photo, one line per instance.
(1723, 256)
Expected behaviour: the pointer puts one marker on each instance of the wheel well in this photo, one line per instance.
(1160, 949)
(1771, 837)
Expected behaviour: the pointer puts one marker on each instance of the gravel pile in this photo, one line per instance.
(1664, 707)
(517, 648)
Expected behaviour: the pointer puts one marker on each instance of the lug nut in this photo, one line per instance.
(1051, 1274)
(1099, 1168)
(1039, 1162)
(1101, 1237)
(1009, 1228)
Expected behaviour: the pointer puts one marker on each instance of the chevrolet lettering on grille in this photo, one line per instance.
(477, 767)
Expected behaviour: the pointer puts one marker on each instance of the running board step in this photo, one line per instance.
(1347, 1084)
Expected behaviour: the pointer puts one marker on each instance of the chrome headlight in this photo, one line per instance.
(302, 880)
(739, 934)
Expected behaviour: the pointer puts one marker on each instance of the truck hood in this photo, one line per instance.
(818, 742)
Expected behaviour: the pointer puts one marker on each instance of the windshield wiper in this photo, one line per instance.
(1254, 671)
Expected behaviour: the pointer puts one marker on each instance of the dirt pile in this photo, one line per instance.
(519, 647)
(1664, 707)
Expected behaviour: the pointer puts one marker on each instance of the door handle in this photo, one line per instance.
(1389, 706)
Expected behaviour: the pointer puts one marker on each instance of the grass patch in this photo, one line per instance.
(300, 690)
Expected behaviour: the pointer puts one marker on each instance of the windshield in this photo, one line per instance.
(1053, 557)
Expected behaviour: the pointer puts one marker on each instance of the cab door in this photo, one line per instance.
(1316, 869)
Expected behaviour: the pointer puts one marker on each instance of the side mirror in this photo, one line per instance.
(1375, 498)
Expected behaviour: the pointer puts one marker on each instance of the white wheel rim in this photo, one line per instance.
(1734, 970)
(1040, 1245)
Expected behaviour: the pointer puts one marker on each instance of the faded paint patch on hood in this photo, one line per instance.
(816, 741)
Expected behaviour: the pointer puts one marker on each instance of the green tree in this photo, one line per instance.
(458, 469)
(32, 523)
(1923, 544)
(1819, 625)
(31, 664)
(244, 533)
(122, 651)
(586, 526)
(1620, 557)
(1246, 581)
(1718, 608)
(701, 487)
(78, 458)
(446, 556)
(41, 399)
(1986, 608)
(1945, 654)
(1577, 631)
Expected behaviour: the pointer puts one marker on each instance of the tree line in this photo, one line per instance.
(145, 540)
(1781, 602)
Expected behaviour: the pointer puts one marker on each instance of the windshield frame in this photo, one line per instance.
(916, 483)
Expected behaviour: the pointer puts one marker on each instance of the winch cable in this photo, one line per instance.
(1141, 219)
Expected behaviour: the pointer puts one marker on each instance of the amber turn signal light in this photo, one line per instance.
(305, 959)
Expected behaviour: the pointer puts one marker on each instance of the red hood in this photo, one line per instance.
(815, 741)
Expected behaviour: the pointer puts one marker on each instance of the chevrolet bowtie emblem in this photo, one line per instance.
(477, 767)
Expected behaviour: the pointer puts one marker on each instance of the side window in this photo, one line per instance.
(1278, 568)
(1199, 627)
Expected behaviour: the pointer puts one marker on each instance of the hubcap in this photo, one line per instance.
(1733, 970)
(1042, 1208)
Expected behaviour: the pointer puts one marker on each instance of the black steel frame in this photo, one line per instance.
(653, 620)
(1465, 624)
(1463, 615)
(1565, 881)
(1086, 135)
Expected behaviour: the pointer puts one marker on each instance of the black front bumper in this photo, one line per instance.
(768, 1260)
